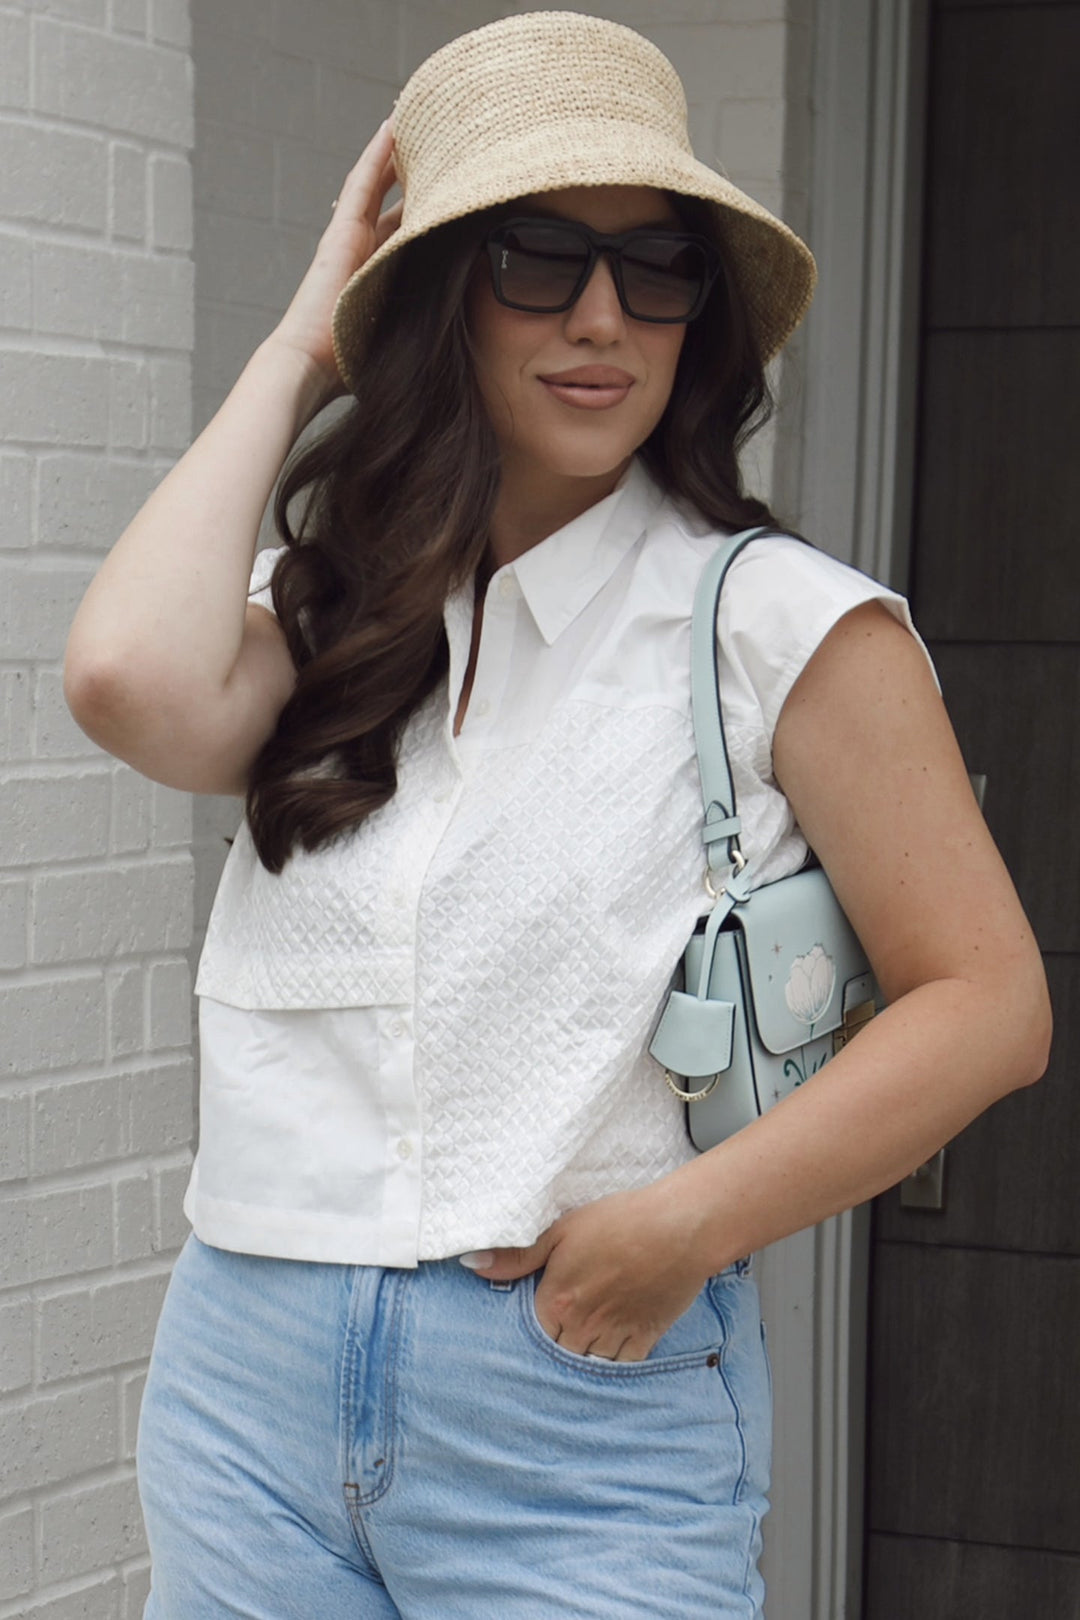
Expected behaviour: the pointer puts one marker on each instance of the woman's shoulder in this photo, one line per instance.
(778, 571)
(773, 555)
(770, 569)
(781, 598)
(782, 579)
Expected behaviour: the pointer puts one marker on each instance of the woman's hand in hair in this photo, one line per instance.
(617, 1272)
(355, 229)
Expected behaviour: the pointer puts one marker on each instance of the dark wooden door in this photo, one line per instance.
(973, 1468)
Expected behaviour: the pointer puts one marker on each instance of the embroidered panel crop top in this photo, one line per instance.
(432, 1036)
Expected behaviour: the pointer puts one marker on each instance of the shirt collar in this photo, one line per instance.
(562, 573)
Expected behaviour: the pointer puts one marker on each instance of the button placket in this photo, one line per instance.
(403, 1141)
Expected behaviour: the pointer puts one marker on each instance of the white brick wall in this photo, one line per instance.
(96, 879)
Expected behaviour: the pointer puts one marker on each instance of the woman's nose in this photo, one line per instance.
(597, 312)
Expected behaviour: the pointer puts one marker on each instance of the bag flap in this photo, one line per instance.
(801, 953)
(693, 1038)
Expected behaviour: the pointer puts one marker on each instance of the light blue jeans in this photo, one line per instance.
(331, 1442)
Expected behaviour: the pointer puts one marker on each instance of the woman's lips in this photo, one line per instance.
(588, 397)
(590, 388)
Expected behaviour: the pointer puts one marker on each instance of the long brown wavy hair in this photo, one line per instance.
(396, 499)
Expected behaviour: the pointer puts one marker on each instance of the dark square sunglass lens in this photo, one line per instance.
(539, 265)
(662, 278)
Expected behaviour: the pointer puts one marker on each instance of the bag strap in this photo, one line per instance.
(721, 825)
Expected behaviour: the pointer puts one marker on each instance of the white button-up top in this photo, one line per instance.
(431, 1036)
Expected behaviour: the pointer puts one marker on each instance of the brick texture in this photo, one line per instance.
(96, 879)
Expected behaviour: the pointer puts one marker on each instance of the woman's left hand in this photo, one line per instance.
(618, 1272)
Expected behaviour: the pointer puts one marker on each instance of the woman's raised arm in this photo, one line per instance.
(167, 666)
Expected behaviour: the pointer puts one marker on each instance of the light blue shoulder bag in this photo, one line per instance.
(774, 978)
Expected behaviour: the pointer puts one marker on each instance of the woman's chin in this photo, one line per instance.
(590, 455)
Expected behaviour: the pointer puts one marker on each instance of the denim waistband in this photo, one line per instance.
(737, 1268)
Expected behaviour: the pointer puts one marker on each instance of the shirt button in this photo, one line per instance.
(397, 1028)
(404, 1148)
(507, 587)
(441, 796)
(482, 706)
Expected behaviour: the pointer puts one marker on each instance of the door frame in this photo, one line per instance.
(866, 204)
(860, 368)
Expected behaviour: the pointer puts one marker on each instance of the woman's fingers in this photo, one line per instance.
(369, 179)
(387, 177)
(389, 222)
(361, 198)
(355, 229)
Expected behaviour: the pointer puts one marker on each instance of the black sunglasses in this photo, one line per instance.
(543, 265)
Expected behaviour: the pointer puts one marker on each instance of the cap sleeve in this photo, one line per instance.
(259, 584)
(780, 600)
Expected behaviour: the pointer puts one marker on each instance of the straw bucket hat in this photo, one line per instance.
(549, 99)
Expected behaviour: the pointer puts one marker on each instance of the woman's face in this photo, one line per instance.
(561, 431)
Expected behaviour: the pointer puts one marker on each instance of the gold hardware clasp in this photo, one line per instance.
(690, 1096)
(854, 1019)
(738, 861)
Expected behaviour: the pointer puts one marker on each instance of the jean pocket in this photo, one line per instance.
(695, 1339)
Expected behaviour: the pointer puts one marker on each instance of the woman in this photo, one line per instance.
(466, 1327)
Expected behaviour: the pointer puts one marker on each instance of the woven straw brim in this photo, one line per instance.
(548, 100)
